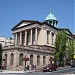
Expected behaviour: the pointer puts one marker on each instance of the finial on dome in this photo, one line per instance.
(50, 11)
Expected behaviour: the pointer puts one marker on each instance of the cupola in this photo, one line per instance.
(51, 19)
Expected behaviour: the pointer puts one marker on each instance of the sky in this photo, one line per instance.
(13, 11)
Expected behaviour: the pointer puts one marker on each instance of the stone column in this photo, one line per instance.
(16, 39)
(25, 37)
(31, 36)
(35, 35)
(20, 38)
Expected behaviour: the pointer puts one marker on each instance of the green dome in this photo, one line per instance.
(50, 16)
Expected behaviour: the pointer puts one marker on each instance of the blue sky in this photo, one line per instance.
(13, 11)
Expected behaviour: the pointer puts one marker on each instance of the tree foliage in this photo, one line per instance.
(70, 47)
(60, 45)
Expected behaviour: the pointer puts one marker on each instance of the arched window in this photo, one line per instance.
(12, 59)
(44, 60)
(21, 59)
(31, 59)
(5, 59)
(51, 59)
(38, 60)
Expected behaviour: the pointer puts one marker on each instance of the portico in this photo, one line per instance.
(26, 37)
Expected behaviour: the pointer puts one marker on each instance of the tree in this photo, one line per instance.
(70, 48)
(60, 45)
(0, 55)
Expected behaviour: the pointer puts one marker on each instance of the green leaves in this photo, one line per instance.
(70, 47)
(60, 44)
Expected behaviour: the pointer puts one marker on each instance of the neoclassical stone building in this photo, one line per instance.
(35, 40)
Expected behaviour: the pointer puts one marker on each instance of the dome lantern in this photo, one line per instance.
(51, 19)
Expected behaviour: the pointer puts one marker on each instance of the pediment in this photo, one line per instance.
(22, 24)
(68, 31)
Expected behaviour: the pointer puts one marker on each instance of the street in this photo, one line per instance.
(63, 71)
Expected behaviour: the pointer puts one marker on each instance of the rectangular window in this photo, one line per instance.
(52, 38)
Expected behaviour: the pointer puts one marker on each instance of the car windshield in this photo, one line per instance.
(48, 65)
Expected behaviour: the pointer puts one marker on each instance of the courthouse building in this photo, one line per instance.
(35, 40)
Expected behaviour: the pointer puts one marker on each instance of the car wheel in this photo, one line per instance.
(43, 71)
(56, 69)
(50, 70)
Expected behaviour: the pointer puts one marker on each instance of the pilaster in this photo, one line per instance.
(41, 60)
(35, 59)
(16, 59)
(47, 59)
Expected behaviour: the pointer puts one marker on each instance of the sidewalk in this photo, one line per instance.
(36, 70)
(64, 67)
(22, 71)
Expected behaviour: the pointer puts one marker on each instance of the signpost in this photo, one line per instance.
(25, 59)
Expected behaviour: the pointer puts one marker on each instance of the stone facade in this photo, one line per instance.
(26, 51)
(31, 41)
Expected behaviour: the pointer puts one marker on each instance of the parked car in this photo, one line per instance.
(73, 64)
(50, 67)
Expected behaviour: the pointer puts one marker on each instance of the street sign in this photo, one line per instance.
(25, 59)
